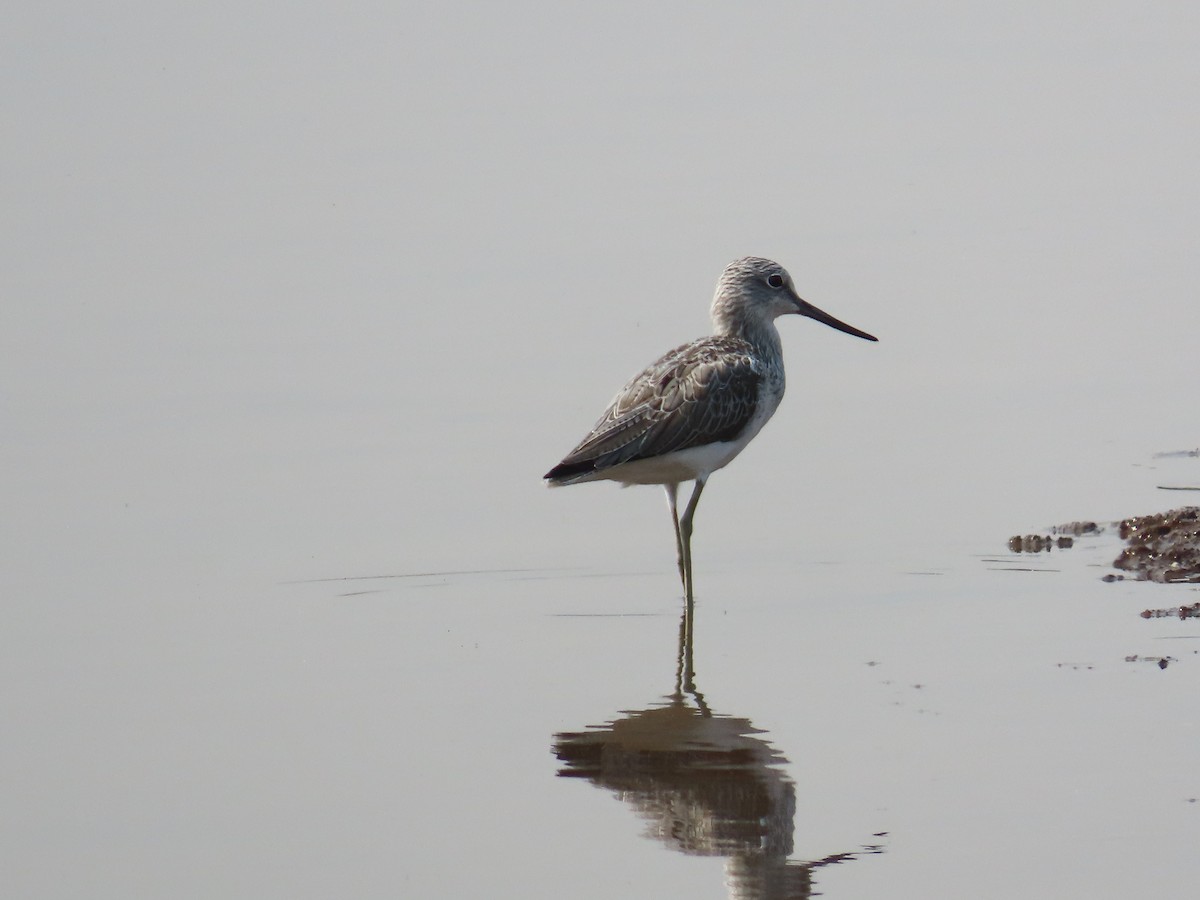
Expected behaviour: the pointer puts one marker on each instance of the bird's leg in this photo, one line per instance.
(685, 533)
(672, 501)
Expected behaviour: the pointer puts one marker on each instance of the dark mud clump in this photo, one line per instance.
(1077, 528)
(1182, 612)
(1161, 661)
(1066, 534)
(1164, 547)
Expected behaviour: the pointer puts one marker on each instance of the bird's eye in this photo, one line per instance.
(775, 281)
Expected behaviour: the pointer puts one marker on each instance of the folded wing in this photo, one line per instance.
(698, 393)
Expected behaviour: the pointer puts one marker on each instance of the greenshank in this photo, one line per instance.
(695, 409)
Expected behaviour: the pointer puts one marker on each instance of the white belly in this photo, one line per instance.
(682, 465)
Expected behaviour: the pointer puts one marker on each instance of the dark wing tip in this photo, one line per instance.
(565, 471)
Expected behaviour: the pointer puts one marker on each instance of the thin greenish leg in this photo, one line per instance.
(685, 530)
(673, 502)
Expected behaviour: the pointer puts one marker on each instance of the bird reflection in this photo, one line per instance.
(706, 784)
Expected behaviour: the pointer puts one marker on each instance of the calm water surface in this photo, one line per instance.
(925, 715)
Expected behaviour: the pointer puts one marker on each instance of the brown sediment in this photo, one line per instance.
(1161, 661)
(1077, 528)
(1183, 612)
(1060, 537)
(1163, 547)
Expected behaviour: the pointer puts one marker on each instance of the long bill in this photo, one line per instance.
(805, 308)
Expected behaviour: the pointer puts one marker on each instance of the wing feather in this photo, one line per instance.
(698, 393)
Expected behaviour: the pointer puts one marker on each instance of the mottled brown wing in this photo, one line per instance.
(698, 393)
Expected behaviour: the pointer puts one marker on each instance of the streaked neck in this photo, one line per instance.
(755, 330)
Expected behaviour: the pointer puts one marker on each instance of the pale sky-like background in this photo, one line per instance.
(408, 218)
(405, 218)
(299, 290)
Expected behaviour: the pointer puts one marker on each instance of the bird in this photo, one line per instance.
(693, 410)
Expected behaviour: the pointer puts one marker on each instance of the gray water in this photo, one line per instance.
(298, 311)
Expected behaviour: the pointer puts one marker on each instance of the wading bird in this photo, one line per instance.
(695, 409)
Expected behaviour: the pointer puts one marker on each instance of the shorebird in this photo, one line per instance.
(696, 408)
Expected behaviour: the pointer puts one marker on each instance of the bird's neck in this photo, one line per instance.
(761, 333)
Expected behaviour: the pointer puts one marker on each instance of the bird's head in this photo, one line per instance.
(753, 291)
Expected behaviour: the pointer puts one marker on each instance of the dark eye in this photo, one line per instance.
(775, 281)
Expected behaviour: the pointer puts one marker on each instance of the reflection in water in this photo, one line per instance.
(705, 782)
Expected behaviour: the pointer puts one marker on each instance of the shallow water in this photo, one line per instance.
(904, 718)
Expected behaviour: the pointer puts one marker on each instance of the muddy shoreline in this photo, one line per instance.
(1162, 547)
